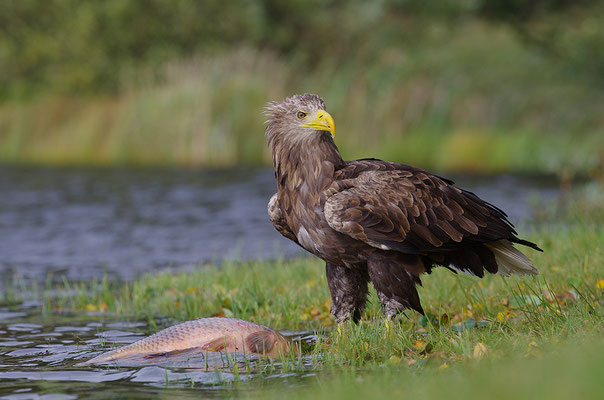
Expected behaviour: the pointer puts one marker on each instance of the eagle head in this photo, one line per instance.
(298, 117)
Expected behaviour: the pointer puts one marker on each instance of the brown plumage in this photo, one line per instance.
(378, 221)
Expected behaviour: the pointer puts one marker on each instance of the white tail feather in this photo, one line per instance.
(511, 260)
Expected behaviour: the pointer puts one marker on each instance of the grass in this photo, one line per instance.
(451, 101)
(527, 337)
(556, 372)
(564, 301)
(292, 294)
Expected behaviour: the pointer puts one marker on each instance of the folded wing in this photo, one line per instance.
(397, 207)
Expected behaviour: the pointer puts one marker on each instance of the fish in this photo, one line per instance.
(213, 334)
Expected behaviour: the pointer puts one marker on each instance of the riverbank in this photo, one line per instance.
(527, 337)
(494, 330)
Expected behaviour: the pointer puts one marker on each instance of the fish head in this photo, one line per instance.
(269, 343)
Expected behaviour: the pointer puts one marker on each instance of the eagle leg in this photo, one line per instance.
(395, 284)
(348, 287)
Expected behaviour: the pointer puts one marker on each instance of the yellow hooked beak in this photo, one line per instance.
(321, 121)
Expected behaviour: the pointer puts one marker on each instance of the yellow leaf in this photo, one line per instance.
(420, 344)
(394, 360)
(600, 284)
(503, 315)
(480, 351)
(444, 365)
(532, 348)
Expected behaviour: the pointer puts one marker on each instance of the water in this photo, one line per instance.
(82, 223)
(39, 358)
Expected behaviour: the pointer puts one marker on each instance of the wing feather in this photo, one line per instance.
(396, 206)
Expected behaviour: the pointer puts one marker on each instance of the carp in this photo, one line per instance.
(215, 334)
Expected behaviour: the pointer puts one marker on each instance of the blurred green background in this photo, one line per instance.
(469, 85)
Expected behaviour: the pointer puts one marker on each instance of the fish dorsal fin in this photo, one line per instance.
(260, 342)
(221, 343)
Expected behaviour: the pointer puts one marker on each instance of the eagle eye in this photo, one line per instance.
(301, 114)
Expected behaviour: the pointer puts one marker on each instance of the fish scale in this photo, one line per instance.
(208, 334)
